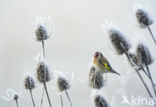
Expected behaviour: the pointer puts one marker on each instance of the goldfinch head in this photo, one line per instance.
(98, 55)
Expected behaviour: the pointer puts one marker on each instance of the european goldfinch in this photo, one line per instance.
(102, 64)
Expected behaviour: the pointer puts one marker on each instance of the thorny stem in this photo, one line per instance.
(150, 31)
(151, 79)
(32, 98)
(61, 100)
(69, 98)
(16, 102)
(141, 78)
(45, 86)
(43, 48)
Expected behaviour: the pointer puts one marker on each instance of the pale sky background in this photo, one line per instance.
(77, 36)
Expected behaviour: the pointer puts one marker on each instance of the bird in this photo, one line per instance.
(102, 64)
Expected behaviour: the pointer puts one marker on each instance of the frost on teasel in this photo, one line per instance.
(43, 71)
(62, 82)
(99, 100)
(12, 95)
(143, 16)
(96, 79)
(144, 55)
(29, 81)
(42, 30)
(119, 41)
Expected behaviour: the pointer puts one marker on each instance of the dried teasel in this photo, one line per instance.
(143, 18)
(41, 31)
(43, 72)
(62, 83)
(12, 95)
(119, 41)
(96, 79)
(144, 55)
(29, 81)
(99, 100)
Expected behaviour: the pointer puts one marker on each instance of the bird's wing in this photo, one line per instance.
(106, 65)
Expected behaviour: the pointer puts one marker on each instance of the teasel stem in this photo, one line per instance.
(69, 98)
(46, 90)
(151, 33)
(42, 97)
(141, 78)
(147, 74)
(61, 100)
(151, 79)
(16, 102)
(32, 97)
(43, 48)
(147, 89)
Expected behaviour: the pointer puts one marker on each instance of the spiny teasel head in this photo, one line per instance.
(43, 72)
(41, 31)
(119, 41)
(144, 55)
(96, 79)
(29, 82)
(143, 18)
(15, 97)
(12, 95)
(62, 83)
(99, 100)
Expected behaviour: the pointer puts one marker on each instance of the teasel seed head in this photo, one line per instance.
(100, 101)
(62, 83)
(41, 31)
(143, 18)
(96, 79)
(144, 55)
(29, 82)
(119, 41)
(43, 72)
(15, 97)
(12, 95)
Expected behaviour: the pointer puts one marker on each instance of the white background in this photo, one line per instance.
(77, 36)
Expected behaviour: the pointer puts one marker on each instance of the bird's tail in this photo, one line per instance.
(113, 71)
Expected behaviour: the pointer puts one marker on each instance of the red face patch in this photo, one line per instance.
(97, 54)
